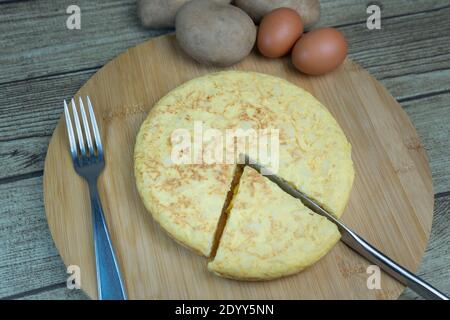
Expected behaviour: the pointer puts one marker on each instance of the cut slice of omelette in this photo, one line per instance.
(187, 199)
(269, 233)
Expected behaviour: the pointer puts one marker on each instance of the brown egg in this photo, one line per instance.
(278, 31)
(319, 51)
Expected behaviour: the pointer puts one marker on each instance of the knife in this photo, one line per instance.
(353, 240)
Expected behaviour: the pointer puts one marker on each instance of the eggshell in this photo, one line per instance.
(319, 51)
(278, 31)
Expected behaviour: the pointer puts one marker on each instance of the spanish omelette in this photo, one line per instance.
(188, 199)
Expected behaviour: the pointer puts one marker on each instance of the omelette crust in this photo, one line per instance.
(187, 200)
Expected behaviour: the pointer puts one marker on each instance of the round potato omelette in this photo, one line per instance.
(211, 207)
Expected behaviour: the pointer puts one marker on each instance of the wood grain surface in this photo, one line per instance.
(391, 203)
(42, 62)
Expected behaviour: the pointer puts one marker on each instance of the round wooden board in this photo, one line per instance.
(391, 204)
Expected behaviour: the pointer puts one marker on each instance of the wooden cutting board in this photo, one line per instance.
(391, 204)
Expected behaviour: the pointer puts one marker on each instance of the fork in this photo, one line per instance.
(88, 162)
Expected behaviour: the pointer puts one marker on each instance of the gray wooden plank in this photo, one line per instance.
(434, 267)
(414, 85)
(22, 156)
(29, 260)
(409, 55)
(431, 117)
(32, 108)
(28, 257)
(336, 13)
(36, 42)
(60, 293)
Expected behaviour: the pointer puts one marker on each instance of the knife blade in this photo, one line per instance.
(353, 240)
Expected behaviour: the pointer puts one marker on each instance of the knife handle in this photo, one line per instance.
(109, 281)
(395, 270)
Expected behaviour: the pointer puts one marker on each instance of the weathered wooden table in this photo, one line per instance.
(42, 62)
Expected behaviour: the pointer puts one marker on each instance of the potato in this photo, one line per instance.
(161, 13)
(213, 33)
(309, 10)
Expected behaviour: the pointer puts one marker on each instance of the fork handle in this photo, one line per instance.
(109, 281)
(407, 278)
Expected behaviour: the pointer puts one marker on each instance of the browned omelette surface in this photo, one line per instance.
(187, 199)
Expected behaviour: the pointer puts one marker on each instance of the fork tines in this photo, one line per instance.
(77, 138)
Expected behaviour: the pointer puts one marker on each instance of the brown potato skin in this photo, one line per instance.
(309, 10)
(160, 14)
(214, 34)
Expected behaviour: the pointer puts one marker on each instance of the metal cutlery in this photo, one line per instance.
(88, 161)
(354, 241)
